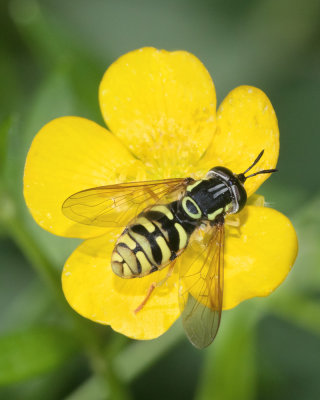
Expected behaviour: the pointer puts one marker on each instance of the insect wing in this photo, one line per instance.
(115, 205)
(201, 287)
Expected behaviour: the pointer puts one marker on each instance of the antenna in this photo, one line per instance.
(242, 176)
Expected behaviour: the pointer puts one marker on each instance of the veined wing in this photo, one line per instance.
(201, 286)
(115, 205)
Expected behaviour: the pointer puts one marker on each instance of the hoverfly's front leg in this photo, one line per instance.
(233, 221)
(153, 286)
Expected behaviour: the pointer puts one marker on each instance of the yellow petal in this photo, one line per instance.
(163, 105)
(95, 292)
(258, 255)
(246, 124)
(70, 154)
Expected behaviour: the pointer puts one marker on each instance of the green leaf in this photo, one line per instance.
(4, 130)
(54, 98)
(32, 352)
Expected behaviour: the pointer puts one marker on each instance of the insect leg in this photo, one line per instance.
(153, 286)
(234, 221)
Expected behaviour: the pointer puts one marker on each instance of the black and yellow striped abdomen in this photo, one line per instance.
(155, 239)
(160, 233)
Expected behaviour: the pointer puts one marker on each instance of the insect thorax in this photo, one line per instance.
(208, 198)
(161, 233)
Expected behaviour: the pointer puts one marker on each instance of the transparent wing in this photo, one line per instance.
(201, 286)
(115, 205)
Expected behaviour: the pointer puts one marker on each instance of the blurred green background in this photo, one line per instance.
(53, 55)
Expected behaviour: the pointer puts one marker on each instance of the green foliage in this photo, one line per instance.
(33, 352)
(53, 55)
(235, 355)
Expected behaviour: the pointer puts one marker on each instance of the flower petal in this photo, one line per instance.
(95, 292)
(246, 124)
(257, 260)
(162, 104)
(258, 255)
(70, 154)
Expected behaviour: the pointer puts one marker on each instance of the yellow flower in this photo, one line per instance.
(160, 108)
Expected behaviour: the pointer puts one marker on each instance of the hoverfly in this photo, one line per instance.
(161, 220)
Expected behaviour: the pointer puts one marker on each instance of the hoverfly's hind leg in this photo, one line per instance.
(153, 286)
(150, 290)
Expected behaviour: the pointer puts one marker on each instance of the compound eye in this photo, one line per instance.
(210, 175)
(239, 198)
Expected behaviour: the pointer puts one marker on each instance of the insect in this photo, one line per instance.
(162, 221)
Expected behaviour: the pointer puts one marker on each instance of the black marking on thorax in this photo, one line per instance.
(210, 195)
(188, 223)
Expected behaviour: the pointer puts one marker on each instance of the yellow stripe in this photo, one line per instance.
(164, 210)
(190, 187)
(126, 239)
(212, 216)
(126, 270)
(166, 253)
(144, 262)
(144, 244)
(184, 205)
(146, 223)
(117, 268)
(116, 257)
(163, 231)
(130, 258)
(183, 237)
